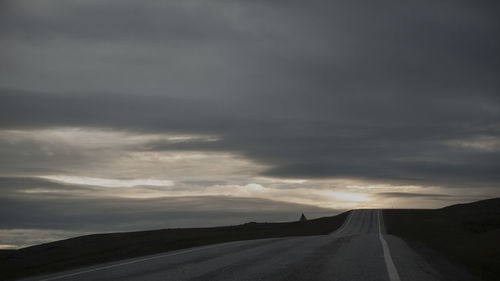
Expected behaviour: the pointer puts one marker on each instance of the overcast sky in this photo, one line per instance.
(197, 113)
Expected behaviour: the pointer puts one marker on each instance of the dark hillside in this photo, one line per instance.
(100, 248)
(467, 234)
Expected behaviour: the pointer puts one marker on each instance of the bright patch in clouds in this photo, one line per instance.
(109, 182)
(478, 143)
(348, 196)
(141, 188)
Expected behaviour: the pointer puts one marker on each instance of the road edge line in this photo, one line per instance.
(133, 261)
(391, 268)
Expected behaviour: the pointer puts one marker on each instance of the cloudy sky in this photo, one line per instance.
(125, 115)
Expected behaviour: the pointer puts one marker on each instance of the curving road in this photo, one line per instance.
(359, 250)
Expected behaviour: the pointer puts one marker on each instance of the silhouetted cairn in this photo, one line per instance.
(302, 217)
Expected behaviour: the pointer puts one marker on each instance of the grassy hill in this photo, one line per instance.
(99, 248)
(467, 234)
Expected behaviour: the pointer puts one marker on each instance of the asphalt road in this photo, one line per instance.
(359, 250)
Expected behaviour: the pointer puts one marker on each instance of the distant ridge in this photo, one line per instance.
(487, 204)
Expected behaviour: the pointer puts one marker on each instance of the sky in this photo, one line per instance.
(123, 115)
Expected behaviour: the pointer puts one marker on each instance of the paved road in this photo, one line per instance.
(359, 250)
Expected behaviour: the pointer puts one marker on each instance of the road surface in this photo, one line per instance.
(359, 250)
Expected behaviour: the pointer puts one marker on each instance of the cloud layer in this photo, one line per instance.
(206, 99)
(309, 90)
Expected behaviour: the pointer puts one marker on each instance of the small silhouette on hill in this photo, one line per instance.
(302, 217)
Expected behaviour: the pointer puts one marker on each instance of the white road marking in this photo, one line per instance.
(391, 268)
(134, 261)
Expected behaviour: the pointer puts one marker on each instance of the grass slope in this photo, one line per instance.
(467, 234)
(99, 248)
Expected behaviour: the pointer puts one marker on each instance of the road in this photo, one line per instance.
(359, 250)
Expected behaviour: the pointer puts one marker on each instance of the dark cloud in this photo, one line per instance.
(452, 199)
(412, 195)
(311, 90)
